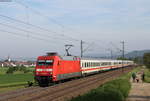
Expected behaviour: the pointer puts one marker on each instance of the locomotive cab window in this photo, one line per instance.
(41, 62)
(45, 62)
(49, 62)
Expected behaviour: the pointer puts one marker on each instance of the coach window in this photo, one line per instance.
(87, 64)
(109, 63)
(82, 64)
(106, 63)
(103, 63)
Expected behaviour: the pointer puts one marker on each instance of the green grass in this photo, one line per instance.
(15, 78)
(147, 75)
(115, 90)
(3, 70)
(9, 82)
(18, 78)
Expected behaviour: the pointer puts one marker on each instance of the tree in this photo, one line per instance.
(146, 60)
(121, 58)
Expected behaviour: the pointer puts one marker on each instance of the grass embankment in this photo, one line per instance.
(16, 80)
(115, 90)
(147, 75)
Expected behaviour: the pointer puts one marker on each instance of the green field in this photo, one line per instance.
(147, 75)
(14, 81)
(14, 78)
(3, 70)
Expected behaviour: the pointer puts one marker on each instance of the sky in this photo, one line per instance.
(29, 28)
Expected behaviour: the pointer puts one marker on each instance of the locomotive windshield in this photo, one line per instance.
(45, 62)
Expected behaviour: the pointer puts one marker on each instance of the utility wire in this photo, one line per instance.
(88, 47)
(48, 18)
(23, 35)
(35, 26)
(45, 16)
(38, 34)
(38, 13)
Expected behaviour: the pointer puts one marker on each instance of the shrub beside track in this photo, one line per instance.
(115, 90)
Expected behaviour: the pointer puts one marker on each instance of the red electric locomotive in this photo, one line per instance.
(52, 68)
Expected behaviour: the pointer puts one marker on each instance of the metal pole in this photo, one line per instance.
(122, 54)
(111, 54)
(81, 48)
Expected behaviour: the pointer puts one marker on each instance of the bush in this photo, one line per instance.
(10, 70)
(146, 60)
(147, 76)
(17, 68)
(26, 71)
(123, 85)
(102, 94)
(115, 90)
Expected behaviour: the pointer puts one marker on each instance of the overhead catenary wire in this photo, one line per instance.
(46, 17)
(24, 35)
(38, 27)
(35, 33)
(37, 12)
(35, 26)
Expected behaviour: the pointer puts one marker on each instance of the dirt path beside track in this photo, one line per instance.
(139, 91)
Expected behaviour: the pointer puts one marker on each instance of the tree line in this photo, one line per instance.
(146, 60)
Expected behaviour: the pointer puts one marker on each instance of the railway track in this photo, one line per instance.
(16, 93)
(62, 91)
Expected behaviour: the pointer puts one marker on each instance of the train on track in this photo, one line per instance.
(53, 68)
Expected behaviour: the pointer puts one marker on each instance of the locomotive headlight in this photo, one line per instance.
(39, 70)
(48, 70)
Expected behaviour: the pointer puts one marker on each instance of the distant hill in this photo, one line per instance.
(132, 54)
(137, 53)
